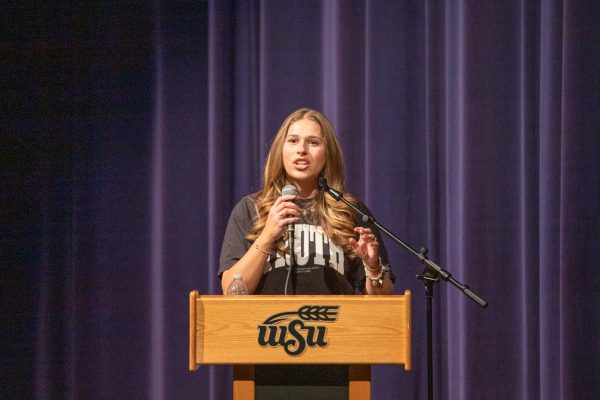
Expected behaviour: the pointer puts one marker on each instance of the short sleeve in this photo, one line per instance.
(235, 244)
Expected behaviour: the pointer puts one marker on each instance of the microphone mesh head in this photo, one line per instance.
(289, 189)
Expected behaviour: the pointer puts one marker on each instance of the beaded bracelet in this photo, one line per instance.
(376, 281)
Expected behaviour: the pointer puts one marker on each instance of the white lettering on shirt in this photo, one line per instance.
(311, 242)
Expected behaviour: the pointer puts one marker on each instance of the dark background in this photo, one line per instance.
(130, 129)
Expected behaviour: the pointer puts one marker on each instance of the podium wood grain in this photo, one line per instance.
(368, 330)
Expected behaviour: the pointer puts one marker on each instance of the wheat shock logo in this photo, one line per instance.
(302, 328)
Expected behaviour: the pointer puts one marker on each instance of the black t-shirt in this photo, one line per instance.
(321, 265)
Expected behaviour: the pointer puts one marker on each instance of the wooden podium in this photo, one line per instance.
(258, 329)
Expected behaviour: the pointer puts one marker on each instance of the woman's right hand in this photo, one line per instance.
(283, 212)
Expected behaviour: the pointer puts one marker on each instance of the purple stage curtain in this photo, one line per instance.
(130, 129)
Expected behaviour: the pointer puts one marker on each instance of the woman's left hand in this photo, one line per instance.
(367, 246)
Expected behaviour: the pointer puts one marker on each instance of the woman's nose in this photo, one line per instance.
(301, 149)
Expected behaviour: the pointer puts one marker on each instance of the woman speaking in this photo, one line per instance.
(334, 253)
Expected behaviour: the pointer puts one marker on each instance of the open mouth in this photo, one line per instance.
(301, 165)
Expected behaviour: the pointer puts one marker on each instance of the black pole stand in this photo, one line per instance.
(429, 279)
(431, 274)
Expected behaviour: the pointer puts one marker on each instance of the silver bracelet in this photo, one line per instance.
(370, 269)
(377, 280)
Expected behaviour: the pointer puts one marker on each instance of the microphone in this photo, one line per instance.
(290, 190)
(324, 187)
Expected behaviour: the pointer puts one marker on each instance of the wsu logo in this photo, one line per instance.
(297, 334)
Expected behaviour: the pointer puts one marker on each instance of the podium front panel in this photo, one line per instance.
(261, 329)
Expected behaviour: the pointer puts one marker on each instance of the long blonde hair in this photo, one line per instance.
(335, 217)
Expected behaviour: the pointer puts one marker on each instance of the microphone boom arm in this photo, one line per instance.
(421, 255)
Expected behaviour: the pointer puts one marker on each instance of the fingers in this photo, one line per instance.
(284, 212)
(284, 208)
(353, 243)
(283, 221)
(366, 245)
(366, 236)
(288, 198)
